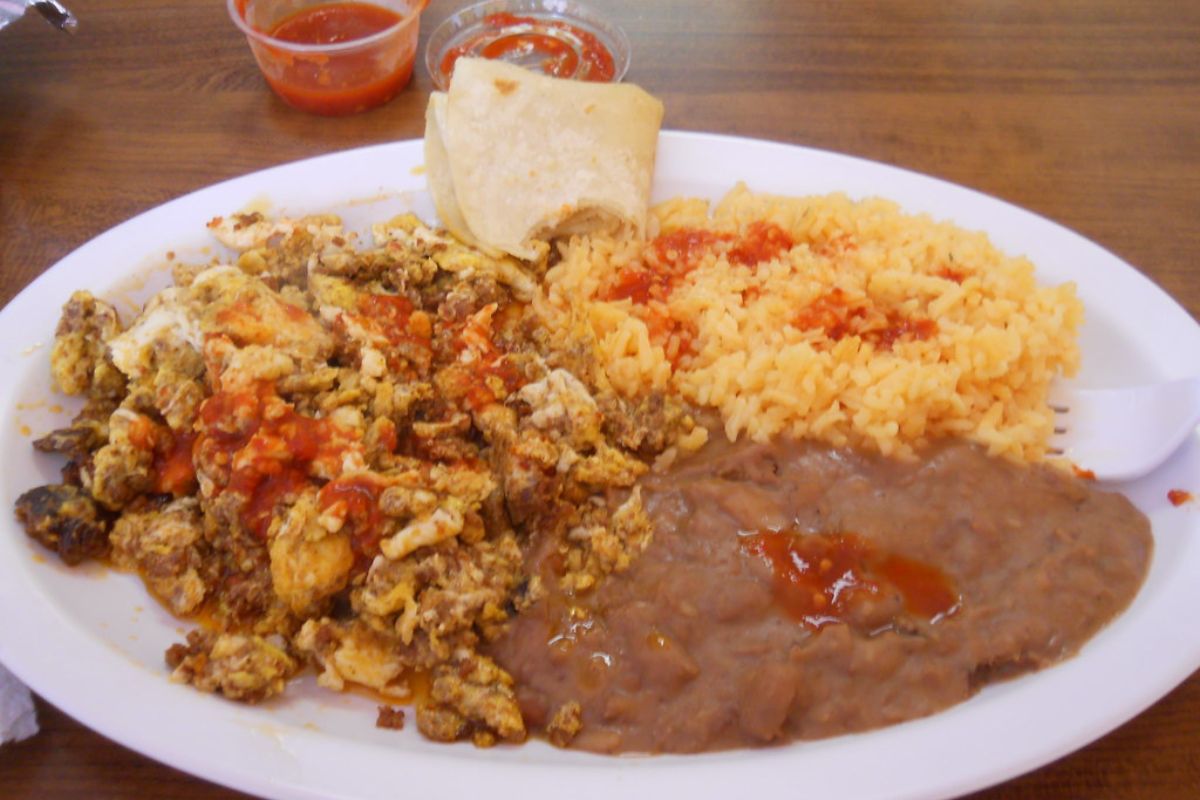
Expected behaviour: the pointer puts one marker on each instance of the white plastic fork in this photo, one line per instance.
(1123, 434)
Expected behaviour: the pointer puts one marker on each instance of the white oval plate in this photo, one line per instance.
(92, 641)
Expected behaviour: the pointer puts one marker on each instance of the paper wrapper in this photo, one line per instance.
(18, 719)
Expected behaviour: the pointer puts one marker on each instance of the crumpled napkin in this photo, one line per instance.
(18, 719)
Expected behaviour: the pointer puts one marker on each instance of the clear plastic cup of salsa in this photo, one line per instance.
(332, 58)
(562, 38)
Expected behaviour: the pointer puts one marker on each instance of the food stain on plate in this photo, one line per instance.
(144, 280)
(276, 734)
(404, 198)
(259, 204)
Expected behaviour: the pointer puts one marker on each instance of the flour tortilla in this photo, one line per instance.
(437, 172)
(515, 158)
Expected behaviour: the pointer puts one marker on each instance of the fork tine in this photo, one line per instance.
(1060, 408)
(1124, 433)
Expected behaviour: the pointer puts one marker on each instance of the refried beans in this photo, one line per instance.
(797, 591)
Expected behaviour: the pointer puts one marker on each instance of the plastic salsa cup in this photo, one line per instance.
(562, 38)
(332, 58)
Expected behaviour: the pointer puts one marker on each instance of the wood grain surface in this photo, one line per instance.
(1085, 111)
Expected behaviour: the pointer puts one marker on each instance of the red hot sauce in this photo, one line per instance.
(820, 578)
(344, 81)
(559, 48)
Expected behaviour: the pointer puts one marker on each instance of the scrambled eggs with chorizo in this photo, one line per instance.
(337, 456)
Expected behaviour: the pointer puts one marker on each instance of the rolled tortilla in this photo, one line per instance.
(515, 158)
(437, 172)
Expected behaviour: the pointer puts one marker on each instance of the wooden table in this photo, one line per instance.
(1086, 112)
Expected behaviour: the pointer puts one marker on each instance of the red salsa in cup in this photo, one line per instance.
(348, 56)
(553, 46)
